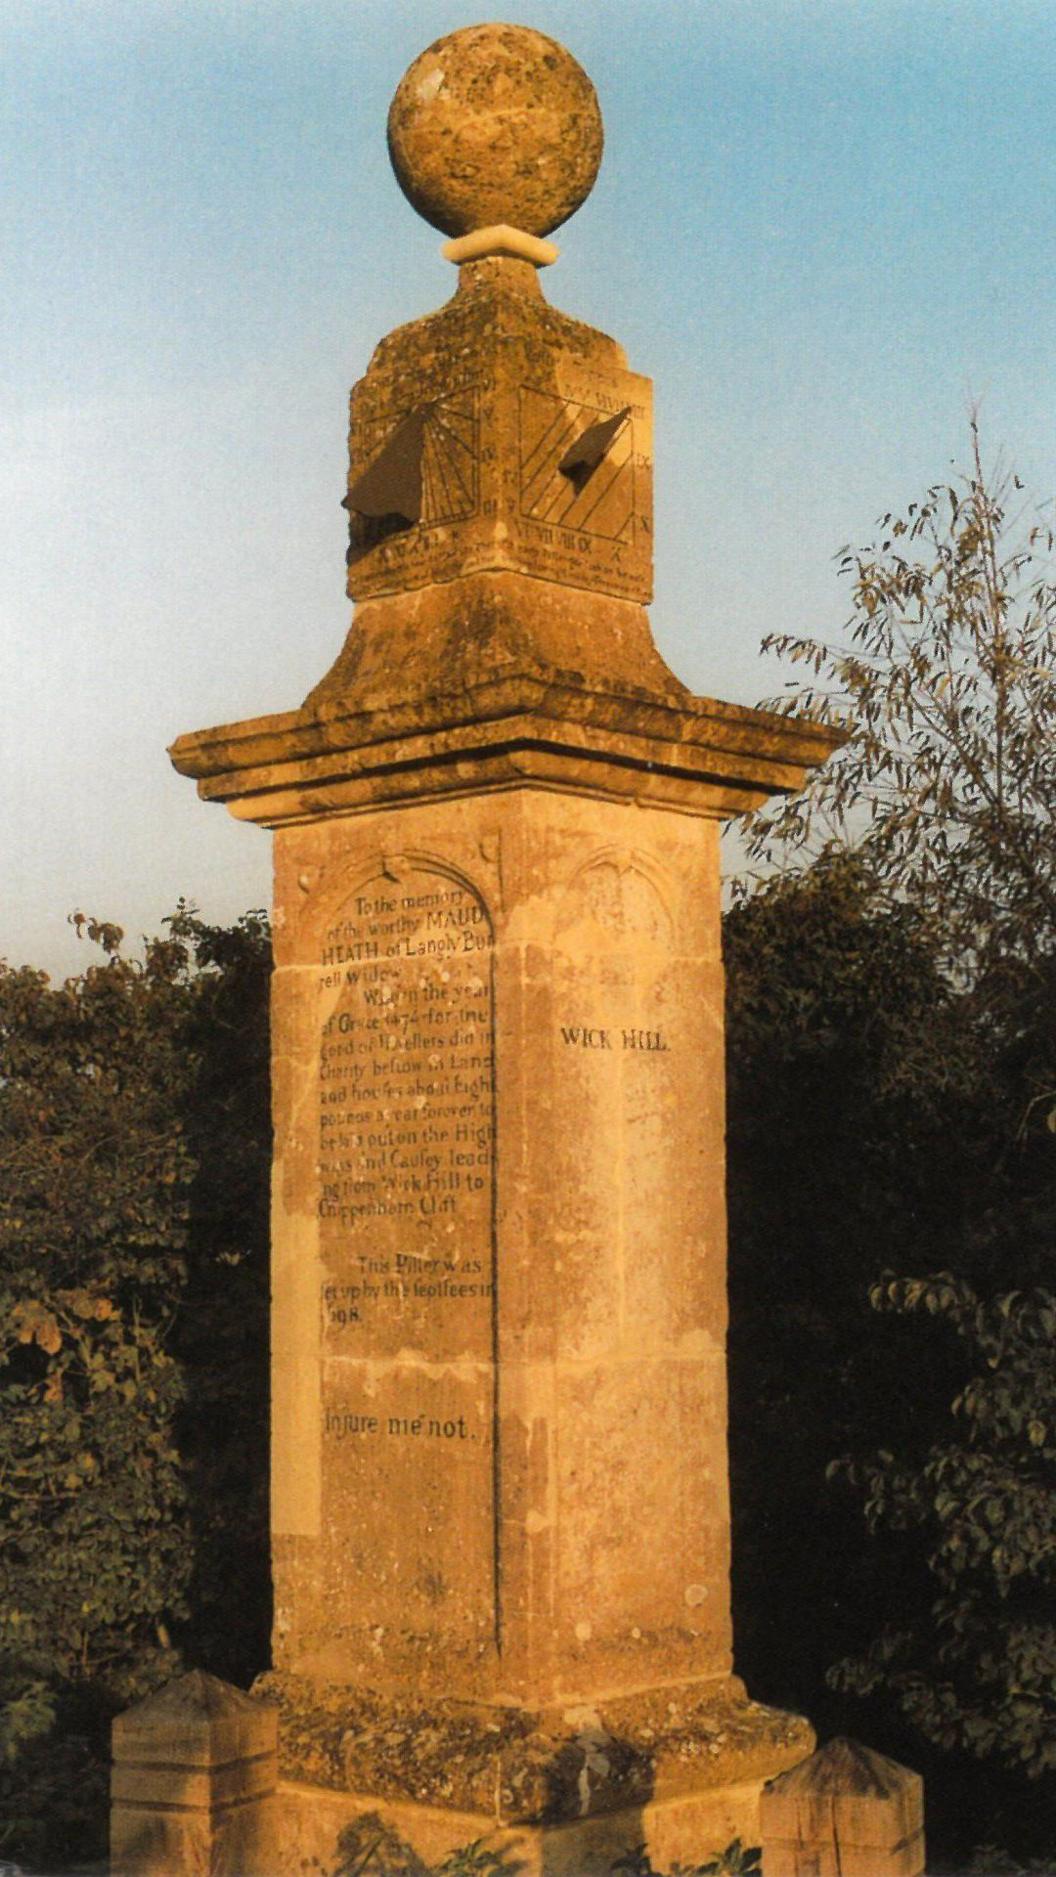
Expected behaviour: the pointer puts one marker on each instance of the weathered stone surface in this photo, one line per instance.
(686, 753)
(844, 1812)
(196, 1720)
(499, 1462)
(510, 1766)
(316, 1821)
(493, 645)
(495, 124)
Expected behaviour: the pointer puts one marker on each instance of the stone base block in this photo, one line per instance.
(564, 1791)
(188, 1841)
(325, 1831)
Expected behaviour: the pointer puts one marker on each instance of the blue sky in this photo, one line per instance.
(823, 228)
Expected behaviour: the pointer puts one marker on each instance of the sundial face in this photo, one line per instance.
(450, 458)
(602, 503)
(436, 447)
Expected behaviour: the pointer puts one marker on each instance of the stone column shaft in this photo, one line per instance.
(518, 1282)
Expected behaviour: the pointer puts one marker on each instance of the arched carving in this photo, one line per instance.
(617, 901)
(339, 882)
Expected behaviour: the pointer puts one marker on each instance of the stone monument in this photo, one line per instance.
(499, 1499)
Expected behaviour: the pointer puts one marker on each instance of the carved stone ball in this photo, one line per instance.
(495, 124)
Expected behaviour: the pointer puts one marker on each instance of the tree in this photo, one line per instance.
(111, 1216)
(856, 1110)
(221, 1335)
(985, 1502)
(942, 803)
(947, 788)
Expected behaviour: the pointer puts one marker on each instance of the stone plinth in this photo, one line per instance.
(845, 1812)
(193, 1786)
(569, 1791)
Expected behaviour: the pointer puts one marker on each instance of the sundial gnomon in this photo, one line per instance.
(603, 505)
(446, 445)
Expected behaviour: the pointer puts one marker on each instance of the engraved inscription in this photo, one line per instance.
(405, 1176)
(405, 1117)
(586, 1036)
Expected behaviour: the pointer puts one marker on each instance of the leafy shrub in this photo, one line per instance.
(876, 1125)
(981, 1675)
(368, 1847)
(371, 1848)
(737, 1860)
(104, 1226)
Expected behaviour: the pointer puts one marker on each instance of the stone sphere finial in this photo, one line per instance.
(495, 126)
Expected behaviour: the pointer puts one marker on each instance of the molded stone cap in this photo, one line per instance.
(845, 1766)
(848, 1810)
(195, 1720)
(693, 754)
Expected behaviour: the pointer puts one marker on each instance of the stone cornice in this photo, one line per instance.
(527, 730)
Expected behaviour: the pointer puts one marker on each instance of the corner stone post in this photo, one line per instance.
(845, 1812)
(193, 1783)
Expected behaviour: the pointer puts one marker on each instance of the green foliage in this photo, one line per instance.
(476, 1860)
(371, 1848)
(991, 1860)
(102, 1163)
(985, 1504)
(94, 1555)
(737, 1860)
(52, 1783)
(221, 1336)
(893, 1074)
(947, 788)
(855, 1110)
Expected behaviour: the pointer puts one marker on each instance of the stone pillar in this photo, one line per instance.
(500, 1528)
(193, 1785)
(845, 1812)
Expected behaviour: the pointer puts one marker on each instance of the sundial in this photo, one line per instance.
(576, 468)
(499, 436)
